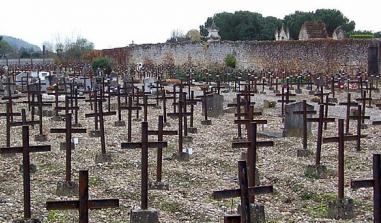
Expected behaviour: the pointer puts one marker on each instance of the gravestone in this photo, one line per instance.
(149, 85)
(84, 81)
(113, 81)
(293, 123)
(9, 85)
(214, 105)
(20, 78)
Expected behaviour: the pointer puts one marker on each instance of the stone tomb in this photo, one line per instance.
(293, 123)
(149, 85)
(215, 105)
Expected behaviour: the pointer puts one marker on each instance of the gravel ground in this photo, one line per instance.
(213, 166)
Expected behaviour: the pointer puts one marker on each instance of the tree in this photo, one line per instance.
(103, 63)
(377, 34)
(242, 25)
(194, 35)
(5, 48)
(269, 26)
(177, 36)
(295, 21)
(334, 18)
(73, 50)
(245, 25)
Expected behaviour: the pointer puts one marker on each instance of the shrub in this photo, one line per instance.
(230, 61)
(362, 36)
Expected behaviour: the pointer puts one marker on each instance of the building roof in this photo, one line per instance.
(315, 29)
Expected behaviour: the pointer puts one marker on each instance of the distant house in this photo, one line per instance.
(282, 34)
(313, 30)
(338, 33)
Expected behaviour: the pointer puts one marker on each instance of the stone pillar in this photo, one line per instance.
(374, 58)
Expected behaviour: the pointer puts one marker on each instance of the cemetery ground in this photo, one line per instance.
(297, 197)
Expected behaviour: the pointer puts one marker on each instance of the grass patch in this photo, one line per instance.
(94, 181)
(57, 216)
(171, 207)
(319, 210)
(320, 198)
(296, 187)
(50, 167)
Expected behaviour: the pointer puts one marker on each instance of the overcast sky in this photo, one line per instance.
(115, 23)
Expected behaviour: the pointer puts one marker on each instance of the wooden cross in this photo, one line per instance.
(340, 140)
(100, 114)
(320, 120)
(363, 99)
(83, 204)
(56, 95)
(73, 97)
(68, 131)
(285, 97)
(205, 105)
(370, 88)
(144, 145)
(304, 114)
(10, 96)
(145, 106)
(67, 106)
(26, 149)
(359, 117)
(348, 104)
(321, 94)
(376, 184)
(180, 115)
(333, 85)
(277, 83)
(243, 192)
(251, 144)
(263, 85)
(238, 105)
(192, 101)
(130, 108)
(174, 92)
(160, 132)
(326, 104)
(8, 116)
(40, 104)
(94, 97)
(23, 120)
(158, 85)
(119, 95)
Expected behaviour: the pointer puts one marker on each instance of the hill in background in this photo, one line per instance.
(19, 43)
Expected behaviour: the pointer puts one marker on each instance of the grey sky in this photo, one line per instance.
(115, 23)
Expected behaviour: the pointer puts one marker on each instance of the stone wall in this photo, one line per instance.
(317, 56)
(25, 61)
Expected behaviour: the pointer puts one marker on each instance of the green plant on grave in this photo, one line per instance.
(94, 181)
(56, 216)
(52, 216)
(180, 74)
(317, 211)
(320, 209)
(230, 61)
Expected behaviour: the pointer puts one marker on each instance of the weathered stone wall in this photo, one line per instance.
(313, 55)
(25, 61)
